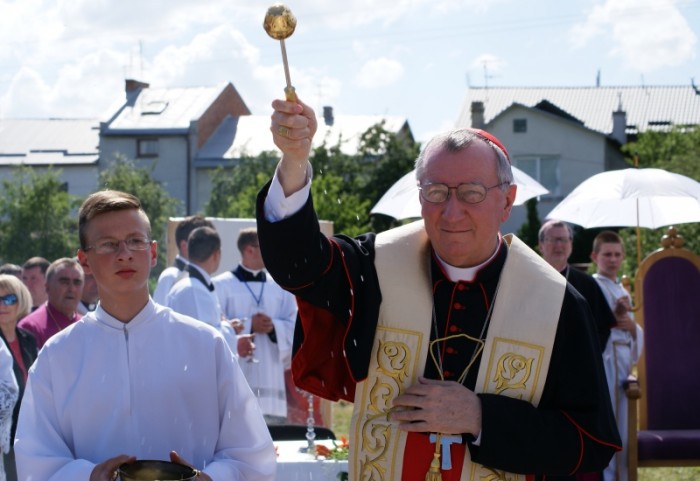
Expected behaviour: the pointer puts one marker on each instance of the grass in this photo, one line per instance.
(341, 426)
(669, 474)
(342, 411)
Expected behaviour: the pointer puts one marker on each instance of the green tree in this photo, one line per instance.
(677, 150)
(393, 156)
(36, 219)
(335, 202)
(529, 231)
(344, 189)
(234, 189)
(123, 174)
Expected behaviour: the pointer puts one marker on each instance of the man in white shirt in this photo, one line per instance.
(624, 347)
(172, 274)
(268, 312)
(194, 295)
(134, 379)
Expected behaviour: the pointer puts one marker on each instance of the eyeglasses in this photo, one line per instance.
(469, 193)
(9, 299)
(557, 240)
(111, 246)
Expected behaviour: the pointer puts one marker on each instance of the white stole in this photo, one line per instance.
(515, 360)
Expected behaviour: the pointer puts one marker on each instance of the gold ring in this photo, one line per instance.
(283, 131)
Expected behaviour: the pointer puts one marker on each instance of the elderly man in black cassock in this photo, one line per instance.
(465, 354)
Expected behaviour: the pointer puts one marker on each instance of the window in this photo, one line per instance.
(147, 147)
(520, 125)
(544, 170)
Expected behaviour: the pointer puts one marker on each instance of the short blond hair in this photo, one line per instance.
(13, 285)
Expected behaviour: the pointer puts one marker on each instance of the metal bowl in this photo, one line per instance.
(153, 470)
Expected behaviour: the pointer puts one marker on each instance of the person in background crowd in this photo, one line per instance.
(172, 274)
(88, 301)
(15, 303)
(8, 398)
(269, 313)
(12, 269)
(134, 379)
(34, 277)
(465, 353)
(556, 242)
(624, 347)
(194, 295)
(64, 287)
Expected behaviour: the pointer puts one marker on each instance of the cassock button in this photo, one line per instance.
(448, 374)
(454, 328)
(462, 287)
(457, 305)
(450, 350)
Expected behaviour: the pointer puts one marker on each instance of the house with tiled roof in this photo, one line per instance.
(164, 129)
(182, 134)
(562, 135)
(69, 145)
(186, 133)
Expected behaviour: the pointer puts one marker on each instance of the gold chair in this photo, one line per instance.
(664, 430)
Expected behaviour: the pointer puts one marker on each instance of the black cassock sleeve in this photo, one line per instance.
(573, 428)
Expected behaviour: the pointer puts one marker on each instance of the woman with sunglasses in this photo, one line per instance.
(15, 303)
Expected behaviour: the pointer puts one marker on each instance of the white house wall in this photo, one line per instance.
(581, 152)
(203, 189)
(169, 167)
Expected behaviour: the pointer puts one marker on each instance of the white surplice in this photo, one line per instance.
(167, 280)
(192, 298)
(162, 382)
(8, 398)
(621, 353)
(243, 299)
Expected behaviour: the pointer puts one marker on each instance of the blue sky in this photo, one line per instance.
(410, 58)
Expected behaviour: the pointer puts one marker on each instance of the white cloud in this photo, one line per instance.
(646, 35)
(379, 72)
(355, 13)
(28, 96)
(488, 63)
(207, 59)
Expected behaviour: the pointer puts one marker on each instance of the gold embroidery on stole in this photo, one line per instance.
(515, 368)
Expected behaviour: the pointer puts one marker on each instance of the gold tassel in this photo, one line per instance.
(434, 473)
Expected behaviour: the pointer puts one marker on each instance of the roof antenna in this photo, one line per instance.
(141, 60)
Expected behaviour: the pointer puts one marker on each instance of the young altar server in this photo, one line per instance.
(133, 379)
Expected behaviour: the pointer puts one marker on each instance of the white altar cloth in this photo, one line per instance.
(293, 465)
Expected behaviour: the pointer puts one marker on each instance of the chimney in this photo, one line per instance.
(131, 85)
(328, 116)
(133, 89)
(619, 118)
(477, 115)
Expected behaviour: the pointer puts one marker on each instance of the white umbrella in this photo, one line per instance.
(401, 200)
(648, 198)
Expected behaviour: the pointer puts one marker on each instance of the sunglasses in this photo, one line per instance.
(9, 299)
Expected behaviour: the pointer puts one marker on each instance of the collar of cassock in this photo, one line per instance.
(246, 275)
(180, 263)
(456, 274)
(196, 274)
